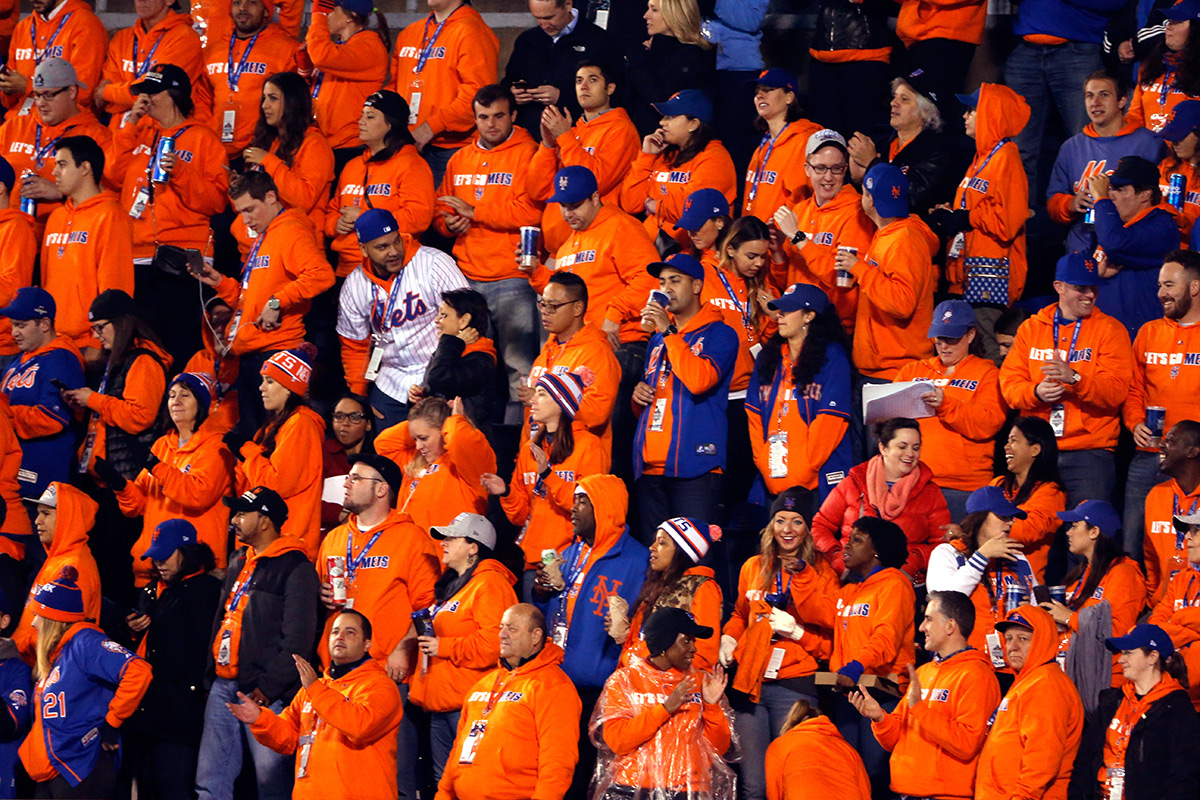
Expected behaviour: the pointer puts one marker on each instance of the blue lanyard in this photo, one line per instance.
(1168, 83)
(1176, 511)
(37, 59)
(743, 308)
(353, 564)
(427, 43)
(149, 62)
(577, 567)
(231, 77)
(769, 142)
(318, 79)
(390, 303)
(248, 267)
(39, 152)
(975, 174)
(779, 582)
(1074, 336)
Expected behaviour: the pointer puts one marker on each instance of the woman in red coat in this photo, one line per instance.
(894, 485)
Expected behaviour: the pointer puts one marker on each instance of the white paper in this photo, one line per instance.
(888, 400)
(334, 490)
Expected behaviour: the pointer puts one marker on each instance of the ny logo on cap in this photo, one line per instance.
(789, 503)
(562, 182)
(687, 204)
(895, 191)
(790, 289)
(1089, 265)
(870, 183)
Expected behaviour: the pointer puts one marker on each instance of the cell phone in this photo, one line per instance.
(195, 261)
(57, 384)
(522, 85)
(1041, 594)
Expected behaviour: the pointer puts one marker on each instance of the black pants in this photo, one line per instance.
(632, 358)
(164, 770)
(660, 498)
(945, 64)
(586, 766)
(101, 783)
(850, 97)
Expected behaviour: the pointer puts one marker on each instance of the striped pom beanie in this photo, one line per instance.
(692, 535)
(565, 388)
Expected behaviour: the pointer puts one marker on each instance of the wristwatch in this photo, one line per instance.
(798, 237)
(273, 304)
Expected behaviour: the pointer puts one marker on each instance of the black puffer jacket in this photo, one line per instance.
(843, 25)
(665, 67)
(932, 165)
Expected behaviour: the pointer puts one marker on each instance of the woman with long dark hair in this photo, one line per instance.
(706, 219)
(1032, 483)
(351, 431)
(1170, 74)
(797, 398)
(776, 176)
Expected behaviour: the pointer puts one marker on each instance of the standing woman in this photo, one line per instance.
(351, 432)
(346, 62)
(390, 175)
(1170, 73)
(87, 686)
(1143, 742)
(675, 58)
(283, 453)
(679, 157)
(776, 176)
(1032, 483)
(674, 579)
(798, 399)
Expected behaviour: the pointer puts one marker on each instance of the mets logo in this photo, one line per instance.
(562, 182)
(113, 647)
(601, 593)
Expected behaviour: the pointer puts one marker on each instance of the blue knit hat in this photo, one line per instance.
(60, 599)
(692, 535)
(198, 383)
(566, 389)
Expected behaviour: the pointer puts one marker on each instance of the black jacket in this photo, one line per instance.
(450, 374)
(176, 645)
(1163, 759)
(933, 168)
(539, 60)
(847, 25)
(280, 619)
(665, 67)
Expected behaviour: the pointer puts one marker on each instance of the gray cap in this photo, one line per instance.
(56, 73)
(1185, 521)
(822, 138)
(467, 526)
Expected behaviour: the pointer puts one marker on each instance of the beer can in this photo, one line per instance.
(1015, 595)
(1089, 217)
(336, 565)
(166, 146)
(660, 297)
(530, 239)
(845, 278)
(422, 620)
(1058, 594)
(1156, 421)
(1176, 190)
(28, 204)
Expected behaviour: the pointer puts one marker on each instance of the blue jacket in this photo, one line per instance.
(1132, 294)
(616, 564)
(736, 30)
(1074, 20)
(16, 687)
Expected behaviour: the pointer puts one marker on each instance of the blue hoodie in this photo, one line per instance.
(736, 30)
(16, 688)
(1132, 294)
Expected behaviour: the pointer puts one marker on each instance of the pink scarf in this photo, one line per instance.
(889, 500)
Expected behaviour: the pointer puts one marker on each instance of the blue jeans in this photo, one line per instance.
(438, 158)
(516, 328)
(1142, 477)
(407, 747)
(1088, 474)
(394, 412)
(221, 751)
(956, 501)
(443, 727)
(856, 729)
(1043, 74)
(757, 729)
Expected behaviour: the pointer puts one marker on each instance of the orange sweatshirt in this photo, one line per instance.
(181, 209)
(133, 51)
(468, 645)
(237, 77)
(213, 20)
(1103, 359)
(1153, 104)
(530, 747)
(1036, 531)
(1163, 548)
(735, 309)
(896, 279)
(839, 223)
(136, 409)
(19, 245)
(463, 54)
(1178, 613)
(1124, 587)
(957, 443)
(1186, 217)
(1034, 736)
(1166, 372)
(390, 573)
(776, 176)
(995, 193)
(73, 32)
(589, 355)
(658, 178)
(611, 256)
(402, 185)
(288, 266)
(351, 724)
(188, 483)
(347, 74)
(16, 520)
(292, 470)
(439, 492)
(813, 762)
(88, 249)
(959, 20)
(707, 607)
(606, 145)
(542, 507)
(493, 182)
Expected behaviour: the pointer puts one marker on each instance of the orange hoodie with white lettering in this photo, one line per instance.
(659, 178)
(73, 31)
(780, 179)
(19, 245)
(253, 60)
(133, 51)
(347, 74)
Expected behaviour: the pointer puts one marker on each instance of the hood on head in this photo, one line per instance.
(1001, 114)
(76, 516)
(1045, 638)
(610, 499)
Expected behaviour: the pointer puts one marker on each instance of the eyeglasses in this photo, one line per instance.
(352, 416)
(821, 169)
(49, 95)
(99, 327)
(553, 307)
(356, 478)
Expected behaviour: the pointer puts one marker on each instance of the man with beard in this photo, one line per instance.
(1166, 375)
(1175, 499)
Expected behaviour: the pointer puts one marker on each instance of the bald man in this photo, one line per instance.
(1172, 507)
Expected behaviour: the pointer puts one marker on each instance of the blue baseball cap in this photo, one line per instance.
(952, 318)
(1078, 269)
(373, 223)
(169, 536)
(969, 100)
(991, 498)
(889, 190)
(680, 261)
(1144, 635)
(1184, 10)
(775, 78)
(573, 184)
(1097, 513)
(800, 296)
(361, 7)
(30, 302)
(689, 102)
(8, 175)
(1184, 120)
(701, 206)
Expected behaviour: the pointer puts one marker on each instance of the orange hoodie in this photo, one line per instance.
(87, 249)
(1164, 550)
(252, 60)
(293, 471)
(133, 51)
(390, 573)
(73, 32)
(402, 185)
(896, 280)
(734, 308)
(1034, 736)
(223, 413)
(214, 22)
(1124, 587)
(347, 74)
(530, 747)
(288, 266)
(606, 145)
(780, 179)
(958, 20)
(995, 192)
(181, 209)
(19, 245)
(1037, 530)
(493, 182)
(1178, 613)
(68, 548)
(466, 626)
(707, 607)
(462, 58)
(1153, 104)
(439, 492)
(1103, 359)
(350, 723)
(658, 178)
(958, 441)
(305, 184)
(1166, 372)
(935, 743)
(188, 483)
(1185, 218)
(813, 762)
(16, 520)
(136, 409)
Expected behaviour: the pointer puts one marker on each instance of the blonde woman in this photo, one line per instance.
(674, 57)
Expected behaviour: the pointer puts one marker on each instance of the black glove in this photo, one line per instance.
(234, 441)
(152, 461)
(950, 223)
(110, 737)
(108, 473)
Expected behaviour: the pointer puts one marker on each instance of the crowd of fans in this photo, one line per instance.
(626, 425)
